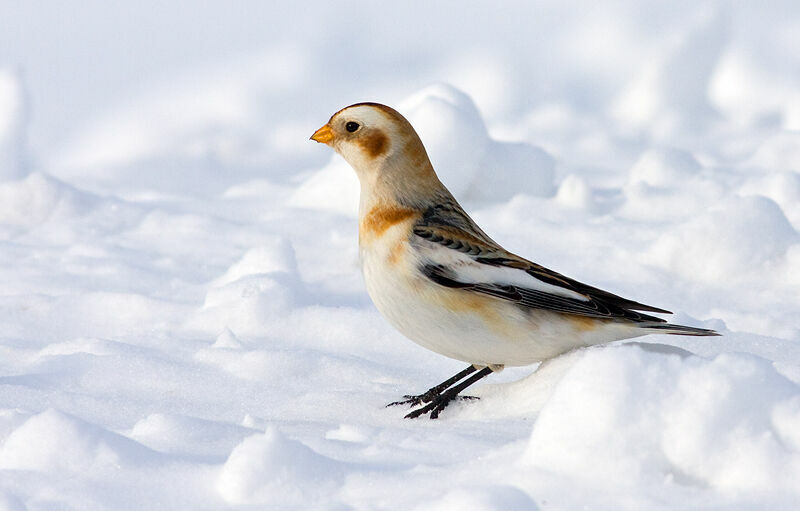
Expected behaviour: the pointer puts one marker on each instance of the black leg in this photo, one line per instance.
(431, 393)
(440, 402)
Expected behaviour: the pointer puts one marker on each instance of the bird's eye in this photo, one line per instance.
(351, 126)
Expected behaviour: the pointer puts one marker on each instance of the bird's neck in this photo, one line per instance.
(398, 191)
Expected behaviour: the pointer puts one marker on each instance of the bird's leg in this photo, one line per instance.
(431, 393)
(440, 402)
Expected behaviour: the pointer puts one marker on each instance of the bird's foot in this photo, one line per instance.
(437, 404)
(427, 397)
(438, 397)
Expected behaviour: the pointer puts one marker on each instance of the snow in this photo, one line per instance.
(265, 465)
(184, 324)
(13, 119)
(642, 416)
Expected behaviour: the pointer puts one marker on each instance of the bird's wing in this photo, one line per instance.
(455, 253)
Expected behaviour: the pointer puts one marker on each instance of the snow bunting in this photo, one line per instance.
(445, 284)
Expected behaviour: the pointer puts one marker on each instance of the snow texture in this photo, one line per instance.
(183, 321)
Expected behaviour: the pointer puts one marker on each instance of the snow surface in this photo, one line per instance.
(183, 324)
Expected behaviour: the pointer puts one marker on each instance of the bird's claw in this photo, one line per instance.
(438, 404)
(437, 398)
(435, 404)
(427, 397)
(413, 401)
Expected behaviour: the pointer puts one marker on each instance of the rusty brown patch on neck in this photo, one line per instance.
(374, 144)
(381, 218)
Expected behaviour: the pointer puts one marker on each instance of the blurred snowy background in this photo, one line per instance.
(182, 320)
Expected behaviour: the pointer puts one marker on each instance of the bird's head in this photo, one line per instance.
(381, 146)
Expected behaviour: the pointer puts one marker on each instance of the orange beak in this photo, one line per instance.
(323, 135)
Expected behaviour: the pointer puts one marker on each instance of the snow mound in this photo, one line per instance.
(246, 303)
(780, 151)
(275, 470)
(178, 434)
(486, 498)
(466, 159)
(53, 441)
(334, 188)
(575, 193)
(91, 346)
(450, 126)
(726, 423)
(348, 433)
(262, 284)
(670, 93)
(60, 213)
(782, 187)
(278, 257)
(745, 88)
(669, 183)
(227, 339)
(30, 201)
(664, 167)
(508, 169)
(727, 242)
(13, 125)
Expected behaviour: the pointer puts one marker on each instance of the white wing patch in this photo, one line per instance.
(465, 269)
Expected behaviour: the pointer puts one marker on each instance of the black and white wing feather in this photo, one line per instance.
(455, 253)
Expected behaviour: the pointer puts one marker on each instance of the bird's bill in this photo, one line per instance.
(323, 135)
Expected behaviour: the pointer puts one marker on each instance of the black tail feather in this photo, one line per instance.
(668, 328)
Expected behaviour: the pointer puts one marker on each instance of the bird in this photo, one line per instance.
(442, 282)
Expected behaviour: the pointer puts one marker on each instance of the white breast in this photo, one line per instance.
(460, 324)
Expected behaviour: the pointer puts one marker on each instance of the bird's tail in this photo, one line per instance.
(668, 328)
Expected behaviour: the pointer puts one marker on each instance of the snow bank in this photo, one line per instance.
(726, 423)
(491, 498)
(575, 193)
(52, 210)
(467, 160)
(726, 243)
(179, 434)
(670, 93)
(52, 441)
(747, 86)
(780, 151)
(644, 418)
(273, 470)
(261, 285)
(450, 126)
(669, 183)
(664, 168)
(13, 126)
(334, 188)
(781, 187)
(32, 200)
